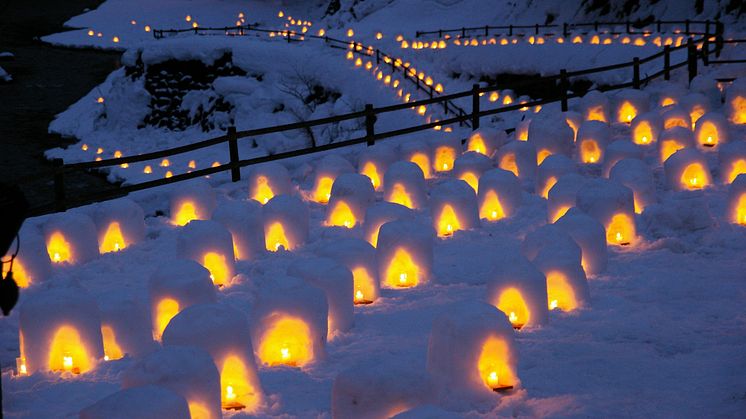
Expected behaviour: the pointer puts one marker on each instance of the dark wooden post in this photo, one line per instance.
(686, 27)
(719, 29)
(370, 121)
(463, 32)
(486, 30)
(595, 26)
(691, 59)
(667, 62)
(536, 29)
(440, 33)
(233, 149)
(510, 30)
(563, 89)
(707, 27)
(378, 56)
(564, 30)
(706, 46)
(636, 73)
(658, 26)
(629, 28)
(475, 107)
(59, 185)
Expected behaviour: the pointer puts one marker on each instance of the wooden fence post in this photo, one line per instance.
(563, 89)
(59, 185)
(510, 30)
(718, 38)
(629, 29)
(463, 32)
(686, 27)
(536, 29)
(595, 26)
(666, 62)
(475, 107)
(233, 152)
(370, 121)
(691, 50)
(378, 56)
(658, 26)
(564, 30)
(636, 73)
(486, 30)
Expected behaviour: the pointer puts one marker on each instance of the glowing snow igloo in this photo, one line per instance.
(70, 238)
(380, 213)
(187, 371)
(453, 206)
(563, 195)
(669, 93)
(192, 200)
(687, 169)
(470, 166)
(732, 160)
(646, 127)
(210, 244)
(244, 221)
(518, 157)
(630, 103)
(486, 141)
(351, 195)
(735, 102)
(404, 184)
(289, 322)
(595, 106)
(32, 264)
(418, 152)
(573, 120)
(175, 286)
(711, 130)
(697, 105)
(222, 332)
(337, 283)
(551, 169)
(612, 204)
(519, 290)
(404, 254)
(618, 150)
(521, 130)
(550, 134)
(500, 195)
(737, 201)
(120, 223)
(359, 257)
(327, 171)
(637, 176)
(673, 140)
(374, 161)
(445, 151)
(593, 136)
(590, 236)
(676, 116)
(59, 329)
(144, 402)
(268, 180)
(471, 353)
(285, 223)
(126, 326)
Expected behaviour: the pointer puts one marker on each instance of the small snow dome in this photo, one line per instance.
(646, 128)
(500, 195)
(673, 140)
(470, 166)
(418, 152)
(732, 160)
(380, 213)
(445, 150)
(327, 171)
(563, 195)
(471, 353)
(735, 102)
(618, 150)
(711, 130)
(210, 244)
(120, 223)
(145, 402)
(594, 106)
(592, 139)
(518, 157)
(285, 223)
(550, 134)
(71, 238)
(612, 204)
(676, 116)
(669, 93)
(374, 161)
(404, 254)
(567, 286)
(453, 206)
(687, 169)
(630, 103)
(550, 170)
(360, 258)
(521, 130)
(637, 176)
(404, 184)
(737, 201)
(243, 219)
(175, 286)
(289, 322)
(192, 200)
(126, 326)
(351, 195)
(187, 371)
(550, 240)
(697, 105)
(222, 332)
(486, 141)
(59, 329)
(31, 264)
(590, 236)
(519, 290)
(268, 180)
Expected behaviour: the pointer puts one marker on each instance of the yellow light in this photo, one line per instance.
(147, 170)
(471, 179)
(590, 152)
(147, 28)
(275, 238)
(399, 195)
(323, 190)
(621, 230)
(287, 342)
(20, 275)
(694, 176)
(186, 212)
(627, 112)
(547, 186)
(165, 310)
(84, 147)
(218, 267)
(708, 134)
(341, 216)
(423, 161)
(596, 113)
(402, 271)
(542, 154)
(507, 162)
(511, 302)
(113, 240)
(350, 33)
(668, 147)
(494, 96)
(90, 33)
(561, 211)
(493, 364)
(560, 294)
(444, 158)
(421, 110)
(58, 248)
(111, 347)
(738, 104)
(642, 133)
(379, 35)
(188, 18)
(371, 170)
(737, 167)
(263, 192)
(67, 352)
(740, 212)
(115, 39)
(491, 208)
(448, 221)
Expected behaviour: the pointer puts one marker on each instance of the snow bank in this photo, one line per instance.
(146, 402)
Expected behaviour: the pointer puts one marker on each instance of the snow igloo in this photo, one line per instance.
(486, 141)
(404, 254)
(732, 161)
(120, 223)
(71, 238)
(637, 176)
(499, 196)
(210, 244)
(590, 236)
(379, 214)
(404, 184)
(518, 157)
(192, 200)
(737, 201)
(646, 127)
(711, 130)
(618, 150)
(595, 106)
(593, 136)
(31, 264)
(470, 166)
(374, 161)
(268, 180)
(735, 102)
(359, 257)
(672, 140)
(418, 152)
(676, 116)
(453, 206)
(285, 223)
(126, 325)
(243, 219)
(143, 402)
(687, 169)
(519, 290)
(351, 195)
(563, 195)
(612, 204)
(327, 170)
(551, 169)
(445, 151)
(550, 134)
(630, 103)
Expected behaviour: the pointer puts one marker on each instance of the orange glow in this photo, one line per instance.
(67, 352)
(560, 294)
(187, 212)
(740, 212)
(668, 101)
(626, 113)
(521, 132)
(675, 121)
(738, 105)
(113, 239)
(371, 170)
(237, 393)
(476, 144)
(642, 133)
(573, 126)
(737, 167)
(694, 176)
(112, 350)
(323, 190)
(577, 39)
(595, 40)
(444, 158)
(402, 271)
(493, 364)
(668, 147)
(639, 42)
(471, 179)
(708, 135)
(696, 113)
(22, 278)
(166, 309)
(561, 211)
(363, 285)
(341, 216)
(275, 238)
(547, 186)
(263, 193)
(491, 208)
(287, 342)
(590, 152)
(448, 222)
(621, 230)
(542, 154)
(507, 162)
(218, 267)
(399, 195)
(512, 304)
(596, 113)
(59, 249)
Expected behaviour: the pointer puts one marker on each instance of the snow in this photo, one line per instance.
(4, 76)
(147, 402)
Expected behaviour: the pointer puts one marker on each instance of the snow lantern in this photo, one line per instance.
(471, 353)
(595, 107)
(637, 176)
(374, 161)
(453, 206)
(359, 257)
(573, 120)
(404, 184)
(380, 213)
(521, 130)
(697, 105)
(445, 150)
(737, 201)
(470, 166)
(144, 402)
(176, 285)
(70, 238)
(711, 130)
(518, 157)
(550, 170)
(351, 195)
(687, 169)
(629, 104)
(673, 140)
(222, 332)
(210, 244)
(268, 180)
(590, 236)
(646, 127)
(592, 139)
(59, 330)
(519, 290)
(618, 150)
(612, 204)
(732, 160)
(243, 219)
(285, 223)
(418, 152)
(327, 171)
(187, 371)
(126, 326)
(192, 200)
(120, 223)
(404, 254)
(563, 195)
(31, 264)
(550, 134)
(669, 93)
(676, 116)
(486, 141)
(735, 102)
(289, 322)
(500, 194)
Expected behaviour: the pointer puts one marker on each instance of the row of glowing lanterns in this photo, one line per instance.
(147, 169)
